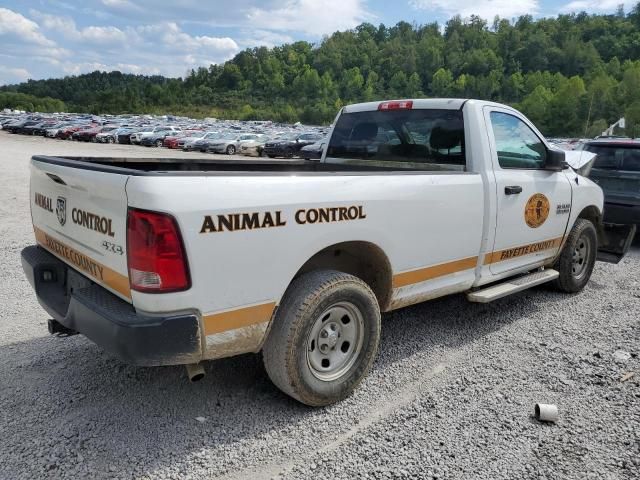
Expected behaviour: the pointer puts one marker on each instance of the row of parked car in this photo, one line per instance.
(257, 139)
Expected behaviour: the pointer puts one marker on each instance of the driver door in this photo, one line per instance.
(533, 204)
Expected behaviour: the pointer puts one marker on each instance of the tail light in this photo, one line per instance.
(155, 253)
(396, 105)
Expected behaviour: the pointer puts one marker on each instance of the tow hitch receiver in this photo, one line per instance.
(616, 242)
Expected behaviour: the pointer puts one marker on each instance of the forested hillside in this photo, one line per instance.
(559, 71)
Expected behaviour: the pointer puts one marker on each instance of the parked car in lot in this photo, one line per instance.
(200, 144)
(39, 128)
(107, 135)
(617, 170)
(290, 145)
(172, 141)
(155, 139)
(313, 151)
(231, 143)
(123, 135)
(298, 259)
(136, 137)
(67, 133)
(20, 127)
(253, 148)
(90, 134)
(52, 131)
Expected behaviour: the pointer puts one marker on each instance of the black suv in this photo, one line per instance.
(617, 171)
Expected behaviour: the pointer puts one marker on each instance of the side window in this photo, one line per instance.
(516, 144)
(631, 162)
(608, 158)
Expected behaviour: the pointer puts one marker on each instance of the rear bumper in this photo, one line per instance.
(108, 321)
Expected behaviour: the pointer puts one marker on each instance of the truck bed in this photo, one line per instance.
(208, 166)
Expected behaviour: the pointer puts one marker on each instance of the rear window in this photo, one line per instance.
(614, 157)
(425, 139)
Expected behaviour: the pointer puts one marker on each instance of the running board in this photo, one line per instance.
(512, 286)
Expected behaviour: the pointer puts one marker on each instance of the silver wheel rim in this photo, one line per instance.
(581, 255)
(335, 341)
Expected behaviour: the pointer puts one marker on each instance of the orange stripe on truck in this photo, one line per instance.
(87, 265)
(520, 251)
(242, 317)
(435, 271)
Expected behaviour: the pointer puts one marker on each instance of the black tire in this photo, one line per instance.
(288, 153)
(271, 156)
(286, 350)
(231, 150)
(575, 268)
(159, 143)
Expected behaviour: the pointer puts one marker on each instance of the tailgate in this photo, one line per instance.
(80, 215)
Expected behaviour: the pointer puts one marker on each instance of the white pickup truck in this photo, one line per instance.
(166, 261)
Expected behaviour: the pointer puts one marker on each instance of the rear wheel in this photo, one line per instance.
(271, 156)
(110, 140)
(158, 143)
(231, 149)
(324, 338)
(578, 257)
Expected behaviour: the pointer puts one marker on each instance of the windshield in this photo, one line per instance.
(616, 157)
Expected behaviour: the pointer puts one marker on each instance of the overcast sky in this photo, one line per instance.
(43, 39)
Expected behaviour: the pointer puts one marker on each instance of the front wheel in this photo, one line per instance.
(578, 257)
(324, 338)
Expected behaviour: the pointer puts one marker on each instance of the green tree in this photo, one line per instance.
(632, 120)
(597, 127)
(442, 83)
(536, 106)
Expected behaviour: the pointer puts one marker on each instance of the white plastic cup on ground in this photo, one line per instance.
(546, 412)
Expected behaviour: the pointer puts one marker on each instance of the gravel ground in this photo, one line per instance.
(451, 394)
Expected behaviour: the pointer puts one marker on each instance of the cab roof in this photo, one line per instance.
(420, 103)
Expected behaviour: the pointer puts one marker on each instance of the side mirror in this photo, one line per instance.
(555, 161)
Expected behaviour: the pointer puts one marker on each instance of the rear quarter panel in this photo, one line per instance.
(418, 220)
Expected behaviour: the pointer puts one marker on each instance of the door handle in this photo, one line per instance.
(56, 178)
(512, 190)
